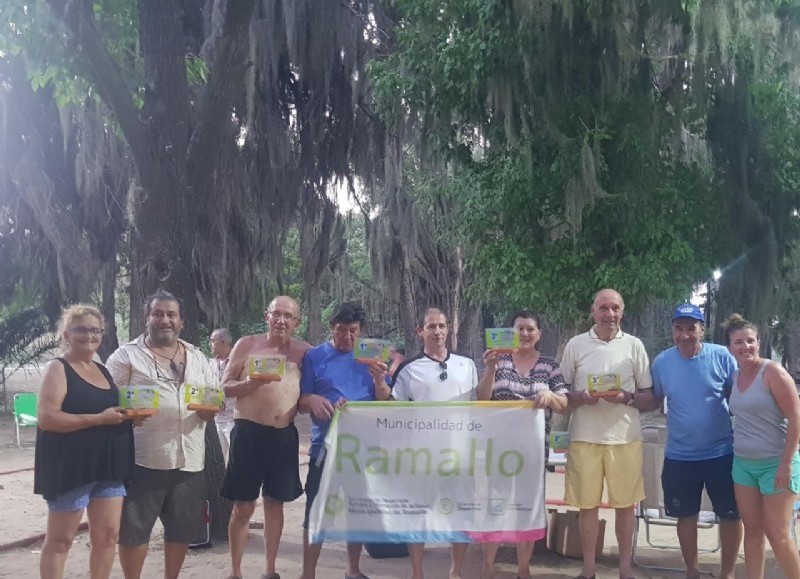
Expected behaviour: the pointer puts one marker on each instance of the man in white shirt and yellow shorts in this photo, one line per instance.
(609, 376)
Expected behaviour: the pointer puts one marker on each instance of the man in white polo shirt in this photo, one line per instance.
(436, 375)
(605, 434)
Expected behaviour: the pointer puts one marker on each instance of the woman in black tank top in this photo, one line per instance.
(84, 447)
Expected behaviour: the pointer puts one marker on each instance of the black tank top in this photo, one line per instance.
(67, 460)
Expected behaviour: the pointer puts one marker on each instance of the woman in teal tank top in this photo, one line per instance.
(766, 466)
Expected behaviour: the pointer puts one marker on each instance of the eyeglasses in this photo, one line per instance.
(443, 375)
(86, 331)
(286, 317)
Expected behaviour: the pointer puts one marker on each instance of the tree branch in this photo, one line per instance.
(164, 50)
(228, 47)
(105, 74)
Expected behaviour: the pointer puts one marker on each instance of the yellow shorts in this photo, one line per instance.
(619, 464)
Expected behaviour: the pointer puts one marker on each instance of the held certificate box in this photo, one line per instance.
(559, 440)
(270, 367)
(203, 398)
(502, 340)
(367, 350)
(139, 400)
(603, 384)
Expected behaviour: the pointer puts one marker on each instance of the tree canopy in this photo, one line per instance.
(500, 153)
(594, 144)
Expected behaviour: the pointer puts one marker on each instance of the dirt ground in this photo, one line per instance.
(24, 515)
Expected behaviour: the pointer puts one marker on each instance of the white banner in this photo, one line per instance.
(432, 472)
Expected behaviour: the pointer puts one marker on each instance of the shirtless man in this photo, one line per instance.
(264, 440)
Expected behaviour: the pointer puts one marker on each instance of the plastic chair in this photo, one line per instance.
(24, 411)
(651, 510)
(205, 542)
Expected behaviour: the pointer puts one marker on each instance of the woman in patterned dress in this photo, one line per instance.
(525, 374)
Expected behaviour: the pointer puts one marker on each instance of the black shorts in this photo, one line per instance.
(312, 486)
(262, 458)
(683, 482)
(174, 496)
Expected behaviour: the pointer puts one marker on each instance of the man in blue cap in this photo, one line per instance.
(696, 380)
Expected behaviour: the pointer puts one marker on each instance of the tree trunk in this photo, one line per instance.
(791, 349)
(320, 230)
(108, 307)
(311, 298)
(162, 240)
(471, 341)
(408, 308)
(219, 507)
(310, 249)
(457, 298)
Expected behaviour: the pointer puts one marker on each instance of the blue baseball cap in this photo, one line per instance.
(688, 311)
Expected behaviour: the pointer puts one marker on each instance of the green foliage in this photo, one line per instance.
(327, 314)
(25, 331)
(358, 265)
(470, 39)
(66, 90)
(23, 336)
(440, 199)
(645, 238)
(777, 108)
(30, 30)
(457, 46)
(53, 61)
(565, 168)
(196, 70)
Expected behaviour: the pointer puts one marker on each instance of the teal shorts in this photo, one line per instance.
(760, 473)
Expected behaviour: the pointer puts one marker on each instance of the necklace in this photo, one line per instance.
(172, 364)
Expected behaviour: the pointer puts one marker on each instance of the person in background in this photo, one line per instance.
(525, 374)
(168, 481)
(766, 465)
(221, 343)
(397, 354)
(330, 377)
(84, 447)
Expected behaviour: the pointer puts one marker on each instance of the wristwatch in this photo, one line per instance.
(629, 402)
